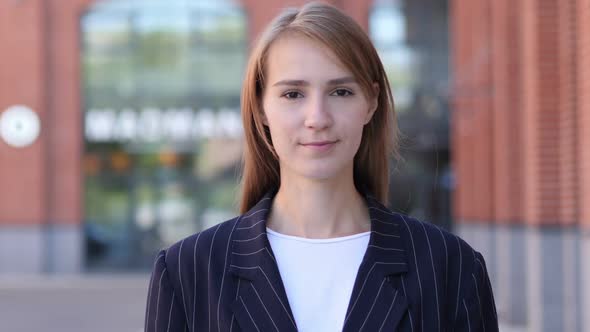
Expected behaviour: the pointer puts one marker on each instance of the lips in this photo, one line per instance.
(320, 146)
(319, 143)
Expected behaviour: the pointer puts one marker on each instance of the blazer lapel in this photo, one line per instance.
(377, 302)
(261, 303)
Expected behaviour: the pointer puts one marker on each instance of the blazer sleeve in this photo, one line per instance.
(477, 308)
(163, 312)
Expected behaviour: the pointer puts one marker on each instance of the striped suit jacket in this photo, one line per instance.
(414, 276)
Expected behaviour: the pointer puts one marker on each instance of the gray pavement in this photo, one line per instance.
(86, 303)
(73, 304)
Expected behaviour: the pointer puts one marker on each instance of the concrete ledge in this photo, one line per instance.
(537, 273)
(40, 249)
(75, 281)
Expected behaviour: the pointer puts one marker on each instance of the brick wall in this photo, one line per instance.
(521, 98)
(40, 68)
(22, 82)
(582, 9)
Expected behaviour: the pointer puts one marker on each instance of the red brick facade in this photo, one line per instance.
(521, 111)
(520, 90)
(582, 40)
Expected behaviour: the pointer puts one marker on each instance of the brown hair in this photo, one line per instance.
(351, 45)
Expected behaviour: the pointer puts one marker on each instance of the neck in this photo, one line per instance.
(318, 209)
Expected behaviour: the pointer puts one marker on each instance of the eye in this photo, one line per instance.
(292, 94)
(342, 93)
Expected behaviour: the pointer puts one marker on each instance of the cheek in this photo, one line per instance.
(353, 124)
(355, 135)
(353, 128)
(282, 131)
(279, 124)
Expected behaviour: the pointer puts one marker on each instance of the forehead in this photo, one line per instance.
(293, 56)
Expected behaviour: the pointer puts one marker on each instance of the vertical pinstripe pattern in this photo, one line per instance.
(223, 277)
(181, 288)
(478, 299)
(413, 277)
(467, 315)
(209, 276)
(459, 279)
(195, 277)
(231, 328)
(147, 316)
(442, 236)
(417, 271)
(159, 291)
(434, 273)
(170, 312)
(409, 311)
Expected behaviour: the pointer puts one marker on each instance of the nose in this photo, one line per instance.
(317, 113)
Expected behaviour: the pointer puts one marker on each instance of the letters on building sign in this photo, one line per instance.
(155, 125)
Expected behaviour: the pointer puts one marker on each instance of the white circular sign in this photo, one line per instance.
(19, 126)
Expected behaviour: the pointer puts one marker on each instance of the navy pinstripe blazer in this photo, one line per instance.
(414, 276)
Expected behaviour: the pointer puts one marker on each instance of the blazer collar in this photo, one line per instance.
(252, 258)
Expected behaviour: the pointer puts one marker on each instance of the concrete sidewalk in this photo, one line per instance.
(73, 304)
(87, 303)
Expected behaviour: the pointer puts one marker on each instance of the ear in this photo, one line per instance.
(373, 103)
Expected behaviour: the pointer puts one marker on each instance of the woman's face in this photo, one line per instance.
(314, 108)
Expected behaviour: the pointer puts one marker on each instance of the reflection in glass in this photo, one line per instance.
(161, 82)
(412, 40)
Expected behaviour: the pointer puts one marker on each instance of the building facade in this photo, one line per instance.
(133, 102)
(521, 122)
(118, 117)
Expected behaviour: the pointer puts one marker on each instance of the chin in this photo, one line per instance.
(322, 172)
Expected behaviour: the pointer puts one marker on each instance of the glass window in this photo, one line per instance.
(161, 82)
(412, 40)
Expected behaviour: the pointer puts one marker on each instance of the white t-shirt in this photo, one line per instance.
(318, 275)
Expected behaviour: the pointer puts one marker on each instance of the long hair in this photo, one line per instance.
(351, 45)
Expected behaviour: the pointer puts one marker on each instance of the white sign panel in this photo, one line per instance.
(19, 126)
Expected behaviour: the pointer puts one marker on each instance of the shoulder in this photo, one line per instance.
(213, 236)
(456, 270)
(444, 264)
(429, 243)
(205, 249)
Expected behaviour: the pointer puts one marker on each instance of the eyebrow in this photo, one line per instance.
(336, 81)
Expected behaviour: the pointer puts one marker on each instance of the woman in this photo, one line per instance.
(315, 249)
